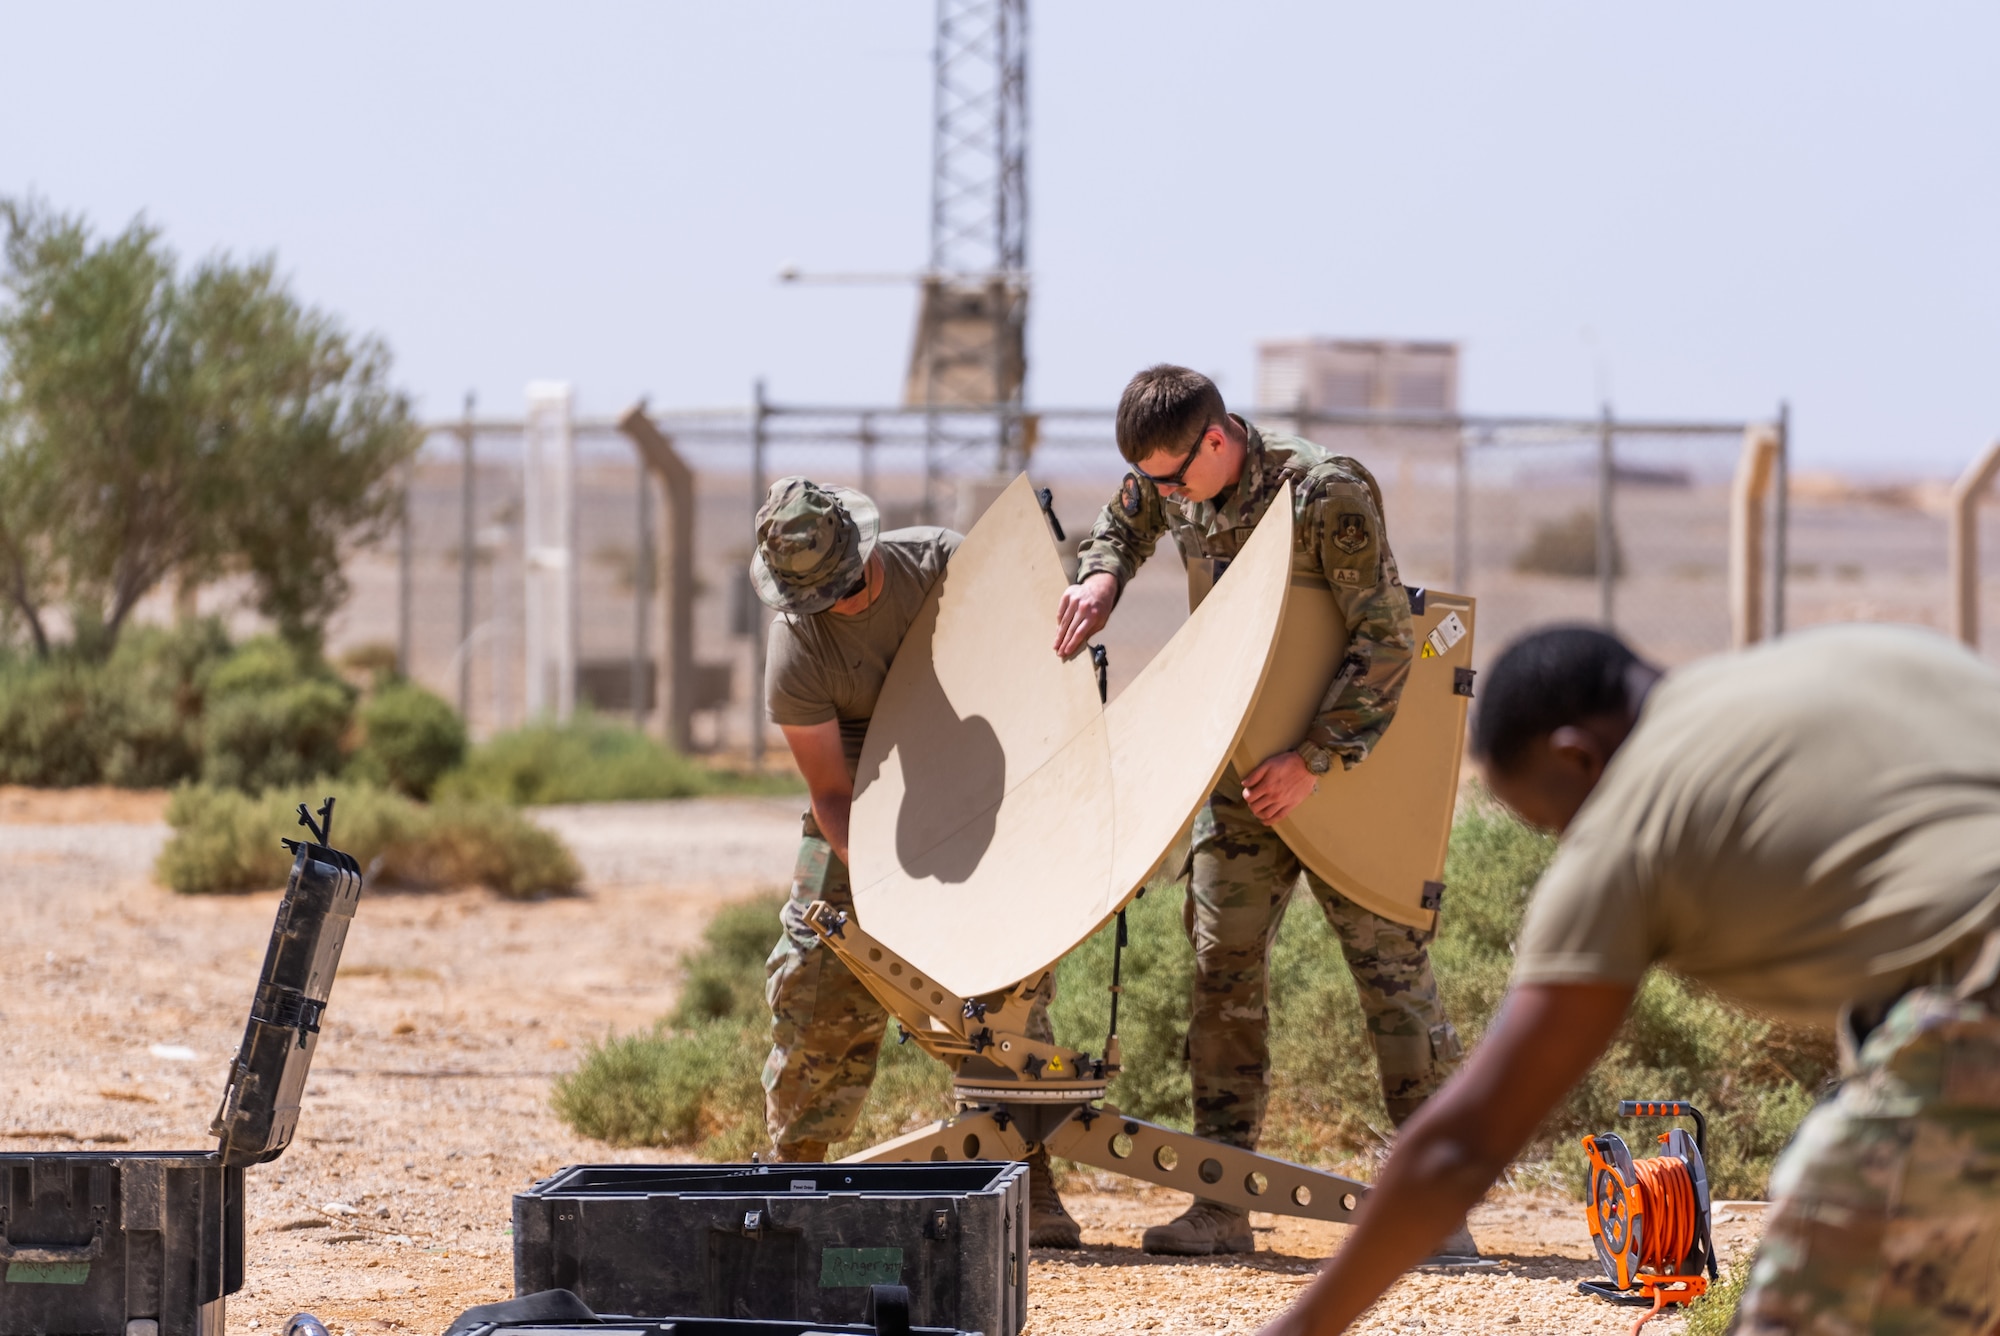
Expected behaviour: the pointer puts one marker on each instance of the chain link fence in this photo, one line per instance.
(1513, 511)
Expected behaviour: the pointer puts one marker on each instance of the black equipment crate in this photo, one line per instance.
(688, 1326)
(783, 1242)
(148, 1243)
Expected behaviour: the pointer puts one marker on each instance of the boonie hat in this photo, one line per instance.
(813, 543)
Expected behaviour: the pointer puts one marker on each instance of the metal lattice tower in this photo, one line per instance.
(970, 347)
(979, 143)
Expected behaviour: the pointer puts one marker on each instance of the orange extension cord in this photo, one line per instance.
(1664, 1198)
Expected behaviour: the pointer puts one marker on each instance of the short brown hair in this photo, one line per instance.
(1162, 409)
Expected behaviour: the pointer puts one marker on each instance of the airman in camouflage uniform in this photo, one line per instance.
(1241, 873)
(1883, 1214)
(848, 594)
(1815, 844)
(826, 1029)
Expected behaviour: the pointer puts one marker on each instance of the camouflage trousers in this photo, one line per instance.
(826, 1029)
(1885, 1213)
(1241, 877)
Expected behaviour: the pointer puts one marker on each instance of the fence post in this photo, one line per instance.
(1607, 535)
(662, 461)
(1461, 516)
(1781, 519)
(1747, 496)
(468, 561)
(404, 569)
(759, 618)
(1965, 495)
(642, 597)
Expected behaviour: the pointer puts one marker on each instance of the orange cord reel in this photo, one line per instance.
(1650, 1218)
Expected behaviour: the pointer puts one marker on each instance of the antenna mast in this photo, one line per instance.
(970, 346)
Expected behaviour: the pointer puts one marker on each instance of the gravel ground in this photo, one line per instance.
(428, 1106)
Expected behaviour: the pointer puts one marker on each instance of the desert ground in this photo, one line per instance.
(428, 1105)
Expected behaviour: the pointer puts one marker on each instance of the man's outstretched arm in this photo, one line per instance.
(1544, 1039)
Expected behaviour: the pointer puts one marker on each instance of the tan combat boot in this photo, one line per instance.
(1049, 1225)
(1203, 1228)
(800, 1152)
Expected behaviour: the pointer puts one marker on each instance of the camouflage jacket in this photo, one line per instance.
(1337, 511)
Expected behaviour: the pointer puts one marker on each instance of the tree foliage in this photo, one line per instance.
(156, 424)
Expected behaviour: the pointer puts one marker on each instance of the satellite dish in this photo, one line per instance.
(1001, 815)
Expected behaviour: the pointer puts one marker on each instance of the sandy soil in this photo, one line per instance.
(428, 1106)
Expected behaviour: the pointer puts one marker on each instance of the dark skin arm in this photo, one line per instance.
(1542, 1042)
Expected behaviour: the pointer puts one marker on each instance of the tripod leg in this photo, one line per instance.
(1206, 1168)
(974, 1135)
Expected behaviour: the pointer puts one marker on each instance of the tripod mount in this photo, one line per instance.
(1016, 1094)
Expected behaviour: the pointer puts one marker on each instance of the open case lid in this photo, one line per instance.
(260, 1108)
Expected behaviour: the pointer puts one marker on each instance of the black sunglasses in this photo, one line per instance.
(1179, 475)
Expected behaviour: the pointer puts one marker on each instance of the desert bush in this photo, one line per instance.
(1568, 546)
(53, 730)
(410, 738)
(724, 979)
(227, 840)
(693, 1078)
(590, 759)
(1711, 1314)
(132, 719)
(668, 1088)
(275, 716)
(157, 683)
(1753, 1078)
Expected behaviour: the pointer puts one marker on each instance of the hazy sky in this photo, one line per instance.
(1706, 206)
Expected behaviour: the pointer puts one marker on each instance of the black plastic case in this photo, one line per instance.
(788, 1243)
(689, 1326)
(148, 1243)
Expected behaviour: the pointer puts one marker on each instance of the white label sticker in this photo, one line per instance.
(1447, 633)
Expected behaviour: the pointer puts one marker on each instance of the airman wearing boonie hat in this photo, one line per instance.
(846, 594)
(813, 543)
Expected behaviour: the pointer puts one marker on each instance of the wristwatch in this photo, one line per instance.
(1317, 758)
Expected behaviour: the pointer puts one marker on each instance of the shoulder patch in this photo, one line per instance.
(1350, 532)
(1130, 499)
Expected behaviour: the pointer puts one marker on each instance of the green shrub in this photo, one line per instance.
(1754, 1079)
(53, 730)
(274, 718)
(590, 759)
(1710, 1315)
(132, 719)
(468, 843)
(724, 979)
(668, 1089)
(156, 683)
(225, 840)
(409, 739)
(694, 1078)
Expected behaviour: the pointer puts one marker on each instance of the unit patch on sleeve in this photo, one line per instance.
(1350, 532)
(1130, 499)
